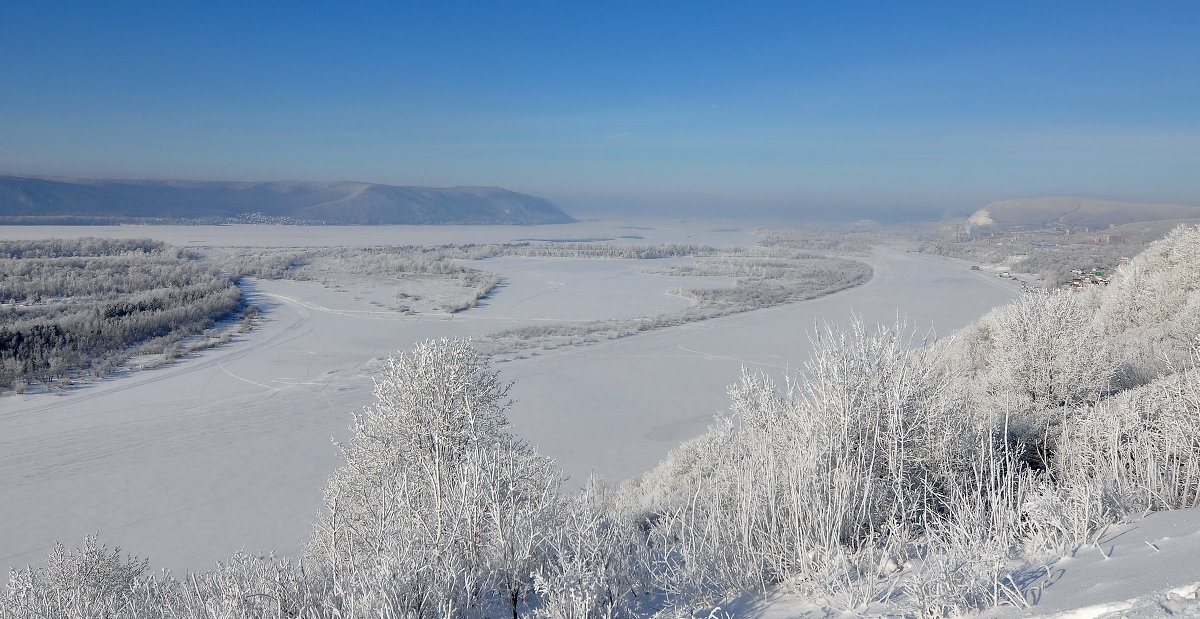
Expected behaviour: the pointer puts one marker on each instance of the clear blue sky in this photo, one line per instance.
(794, 106)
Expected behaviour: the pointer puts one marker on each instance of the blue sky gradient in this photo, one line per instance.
(851, 108)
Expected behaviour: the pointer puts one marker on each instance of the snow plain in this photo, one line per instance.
(229, 449)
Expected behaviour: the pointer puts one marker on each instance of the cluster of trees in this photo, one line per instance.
(779, 277)
(914, 476)
(70, 306)
(263, 264)
(625, 251)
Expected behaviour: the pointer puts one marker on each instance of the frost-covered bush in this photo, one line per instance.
(599, 566)
(1023, 366)
(89, 582)
(1156, 286)
(1139, 450)
(834, 482)
(1045, 353)
(1151, 310)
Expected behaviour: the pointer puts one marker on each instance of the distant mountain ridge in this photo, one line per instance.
(28, 199)
(1072, 211)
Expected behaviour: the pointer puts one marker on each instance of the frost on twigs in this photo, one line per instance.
(90, 581)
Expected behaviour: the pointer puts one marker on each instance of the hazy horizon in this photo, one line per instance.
(865, 110)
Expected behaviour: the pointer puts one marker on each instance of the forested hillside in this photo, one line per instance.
(889, 476)
(73, 306)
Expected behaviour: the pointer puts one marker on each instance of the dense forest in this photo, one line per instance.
(920, 475)
(69, 307)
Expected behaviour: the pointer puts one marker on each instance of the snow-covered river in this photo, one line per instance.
(230, 449)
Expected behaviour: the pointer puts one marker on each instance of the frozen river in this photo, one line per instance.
(230, 449)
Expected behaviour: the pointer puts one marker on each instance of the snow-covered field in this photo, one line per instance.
(230, 448)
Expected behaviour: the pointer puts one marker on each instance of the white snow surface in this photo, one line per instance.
(229, 449)
(566, 290)
(1147, 568)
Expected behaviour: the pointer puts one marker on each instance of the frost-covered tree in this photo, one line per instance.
(92, 581)
(436, 499)
(1045, 353)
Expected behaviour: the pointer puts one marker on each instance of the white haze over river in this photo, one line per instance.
(230, 448)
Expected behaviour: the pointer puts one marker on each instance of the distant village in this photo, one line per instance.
(1082, 277)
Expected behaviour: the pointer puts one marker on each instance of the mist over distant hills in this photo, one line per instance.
(1071, 211)
(25, 199)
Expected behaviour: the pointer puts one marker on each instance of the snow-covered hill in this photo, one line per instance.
(1074, 211)
(63, 200)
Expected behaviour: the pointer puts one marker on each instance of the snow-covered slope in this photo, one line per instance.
(1144, 569)
(1073, 211)
(1148, 568)
(51, 200)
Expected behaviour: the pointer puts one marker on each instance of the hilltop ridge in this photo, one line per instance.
(1075, 211)
(44, 200)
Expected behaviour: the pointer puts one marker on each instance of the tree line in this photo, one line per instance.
(70, 307)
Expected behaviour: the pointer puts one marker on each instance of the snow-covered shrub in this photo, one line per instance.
(1151, 310)
(599, 564)
(832, 483)
(1023, 367)
(1139, 450)
(1156, 285)
(92, 581)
